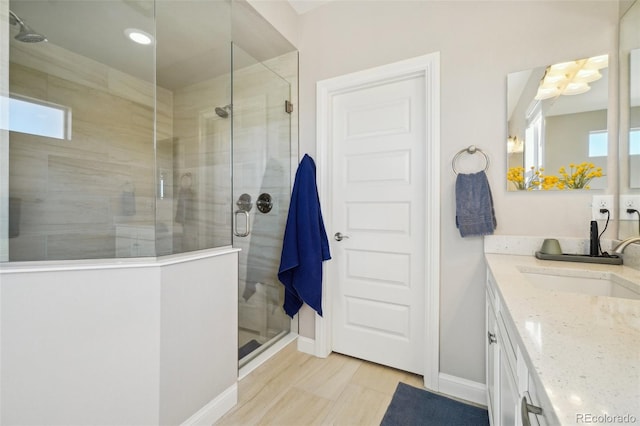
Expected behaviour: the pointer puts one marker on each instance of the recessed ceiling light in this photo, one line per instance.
(139, 36)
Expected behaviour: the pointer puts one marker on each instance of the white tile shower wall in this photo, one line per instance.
(201, 147)
(71, 191)
(195, 103)
(68, 194)
(256, 155)
(266, 161)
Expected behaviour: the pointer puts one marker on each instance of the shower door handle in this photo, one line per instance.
(246, 221)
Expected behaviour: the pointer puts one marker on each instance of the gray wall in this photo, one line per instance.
(480, 43)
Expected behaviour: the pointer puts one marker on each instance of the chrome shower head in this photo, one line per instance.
(223, 112)
(26, 34)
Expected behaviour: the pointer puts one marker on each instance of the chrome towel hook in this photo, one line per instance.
(472, 149)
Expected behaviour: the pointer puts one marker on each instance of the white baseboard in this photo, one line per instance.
(462, 389)
(215, 409)
(306, 345)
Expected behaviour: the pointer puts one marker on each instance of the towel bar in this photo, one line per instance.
(472, 149)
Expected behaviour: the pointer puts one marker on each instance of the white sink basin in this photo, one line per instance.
(599, 284)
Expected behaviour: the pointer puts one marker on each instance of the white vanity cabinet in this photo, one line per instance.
(502, 389)
(572, 354)
(508, 379)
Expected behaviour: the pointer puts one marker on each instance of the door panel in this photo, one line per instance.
(378, 186)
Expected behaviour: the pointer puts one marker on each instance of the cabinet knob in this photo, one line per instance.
(525, 409)
(492, 337)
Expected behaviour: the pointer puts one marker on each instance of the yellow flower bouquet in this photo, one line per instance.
(537, 179)
(578, 177)
(516, 175)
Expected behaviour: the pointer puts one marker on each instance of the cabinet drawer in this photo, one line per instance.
(508, 394)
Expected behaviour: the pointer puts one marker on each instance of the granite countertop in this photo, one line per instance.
(585, 350)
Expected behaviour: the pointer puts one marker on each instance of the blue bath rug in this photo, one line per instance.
(417, 407)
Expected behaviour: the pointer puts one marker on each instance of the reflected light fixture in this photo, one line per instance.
(514, 145)
(139, 36)
(571, 78)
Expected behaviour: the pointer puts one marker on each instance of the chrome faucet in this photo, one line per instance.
(623, 245)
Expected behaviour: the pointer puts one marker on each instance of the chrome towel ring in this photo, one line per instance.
(472, 149)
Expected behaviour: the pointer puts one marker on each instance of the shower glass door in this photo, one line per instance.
(261, 151)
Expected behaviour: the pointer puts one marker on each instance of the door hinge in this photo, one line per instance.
(288, 107)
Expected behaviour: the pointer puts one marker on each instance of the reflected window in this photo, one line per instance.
(38, 117)
(533, 140)
(598, 143)
(634, 142)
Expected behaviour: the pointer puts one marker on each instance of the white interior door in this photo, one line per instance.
(378, 191)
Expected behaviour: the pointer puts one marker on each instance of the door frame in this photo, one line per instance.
(427, 66)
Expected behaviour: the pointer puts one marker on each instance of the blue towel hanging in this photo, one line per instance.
(305, 244)
(475, 214)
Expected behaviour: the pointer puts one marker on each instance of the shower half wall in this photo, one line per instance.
(128, 210)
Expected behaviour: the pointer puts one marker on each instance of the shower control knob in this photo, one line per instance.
(338, 236)
(264, 203)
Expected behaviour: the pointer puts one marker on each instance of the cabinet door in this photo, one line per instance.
(533, 399)
(508, 392)
(492, 359)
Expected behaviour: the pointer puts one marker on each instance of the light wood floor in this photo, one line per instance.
(297, 389)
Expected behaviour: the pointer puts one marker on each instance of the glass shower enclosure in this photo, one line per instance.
(116, 149)
(261, 190)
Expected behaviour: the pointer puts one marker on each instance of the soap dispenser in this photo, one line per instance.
(594, 246)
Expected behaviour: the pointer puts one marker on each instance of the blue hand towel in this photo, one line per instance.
(305, 245)
(474, 205)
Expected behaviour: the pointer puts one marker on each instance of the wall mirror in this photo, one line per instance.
(634, 117)
(629, 148)
(557, 126)
(630, 99)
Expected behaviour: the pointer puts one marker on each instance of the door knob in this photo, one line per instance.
(339, 236)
